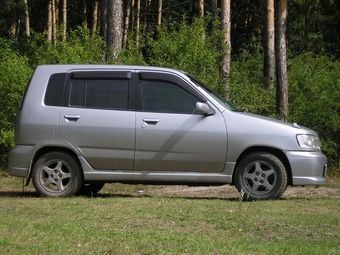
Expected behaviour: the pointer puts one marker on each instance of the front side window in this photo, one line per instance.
(100, 93)
(164, 96)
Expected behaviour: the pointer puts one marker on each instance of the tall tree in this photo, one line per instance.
(27, 19)
(137, 23)
(114, 27)
(281, 61)
(94, 17)
(269, 45)
(54, 21)
(127, 22)
(103, 23)
(201, 8)
(49, 21)
(64, 20)
(85, 13)
(226, 26)
(159, 13)
(213, 7)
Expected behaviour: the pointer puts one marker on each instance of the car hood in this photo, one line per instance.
(247, 130)
(270, 124)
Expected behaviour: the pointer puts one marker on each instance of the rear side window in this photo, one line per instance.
(101, 91)
(55, 89)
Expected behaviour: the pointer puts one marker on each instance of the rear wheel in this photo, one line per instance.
(261, 176)
(57, 174)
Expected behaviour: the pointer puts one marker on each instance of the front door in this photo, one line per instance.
(170, 136)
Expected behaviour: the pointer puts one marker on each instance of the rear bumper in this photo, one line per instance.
(308, 168)
(19, 160)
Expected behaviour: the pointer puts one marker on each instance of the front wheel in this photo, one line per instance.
(260, 176)
(57, 174)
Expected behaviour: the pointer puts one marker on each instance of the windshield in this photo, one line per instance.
(212, 93)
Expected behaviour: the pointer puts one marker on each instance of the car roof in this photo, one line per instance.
(69, 67)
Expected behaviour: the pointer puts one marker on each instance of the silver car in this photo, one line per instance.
(81, 126)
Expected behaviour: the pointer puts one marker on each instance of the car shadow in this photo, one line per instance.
(18, 194)
(33, 194)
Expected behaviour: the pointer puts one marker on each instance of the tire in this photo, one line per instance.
(260, 176)
(57, 174)
(90, 189)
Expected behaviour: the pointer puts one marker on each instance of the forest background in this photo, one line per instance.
(223, 43)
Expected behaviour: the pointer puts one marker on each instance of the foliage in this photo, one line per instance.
(314, 98)
(79, 48)
(14, 75)
(132, 54)
(188, 48)
(247, 91)
(17, 62)
(313, 27)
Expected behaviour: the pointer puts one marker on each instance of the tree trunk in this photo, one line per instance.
(281, 61)
(213, 7)
(103, 25)
(159, 14)
(14, 22)
(126, 22)
(201, 8)
(54, 22)
(85, 13)
(49, 21)
(64, 13)
(269, 45)
(94, 18)
(138, 23)
(27, 19)
(133, 15)
(226, 25)
(114, 25)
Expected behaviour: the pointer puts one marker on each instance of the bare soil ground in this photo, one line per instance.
(13, 187)
(226, 192)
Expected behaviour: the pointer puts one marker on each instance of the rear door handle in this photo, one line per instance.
(151, 121)
(72, 117)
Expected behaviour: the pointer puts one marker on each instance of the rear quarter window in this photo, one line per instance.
(55, 89)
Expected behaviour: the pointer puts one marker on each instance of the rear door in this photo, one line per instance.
(98, 118)
(170, 136)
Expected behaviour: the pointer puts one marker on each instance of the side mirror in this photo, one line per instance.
(204, 108)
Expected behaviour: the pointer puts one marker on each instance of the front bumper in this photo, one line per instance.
(308, 168)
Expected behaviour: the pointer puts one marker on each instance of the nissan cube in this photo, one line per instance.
(81, 126)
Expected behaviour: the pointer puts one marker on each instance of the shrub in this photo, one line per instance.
(314, 99)
(188, 48)
(78, 48)
(246, 86)
(14, 75)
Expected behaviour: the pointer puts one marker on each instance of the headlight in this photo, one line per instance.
(309, 141)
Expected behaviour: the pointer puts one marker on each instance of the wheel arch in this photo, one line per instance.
(48, 149)
(278, 153)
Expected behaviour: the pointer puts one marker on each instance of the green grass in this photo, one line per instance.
(120, 221)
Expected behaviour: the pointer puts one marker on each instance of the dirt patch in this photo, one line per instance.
(225, 192)
(14, 187)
